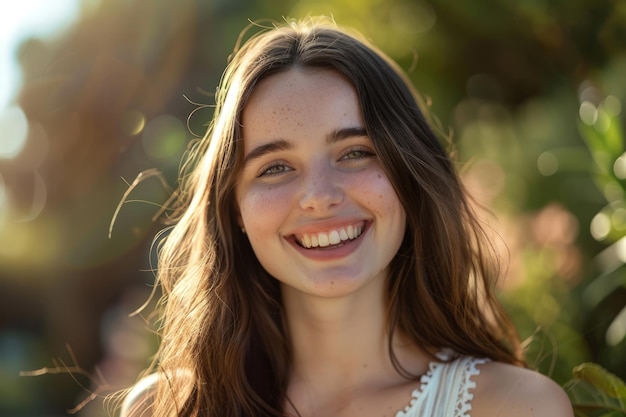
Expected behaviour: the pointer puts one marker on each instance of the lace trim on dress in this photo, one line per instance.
(463, 404)
(464, 396)
(417, 392)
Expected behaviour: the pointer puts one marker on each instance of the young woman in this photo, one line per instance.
(325, 259)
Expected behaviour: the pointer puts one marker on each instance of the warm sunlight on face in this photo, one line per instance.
(320, 212)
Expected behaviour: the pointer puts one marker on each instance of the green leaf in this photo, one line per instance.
(597, 145)
(601, 379)
(611, 134)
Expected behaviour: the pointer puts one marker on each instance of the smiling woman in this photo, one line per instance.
(325, 259)
(320, 181)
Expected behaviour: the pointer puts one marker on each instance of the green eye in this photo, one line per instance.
(354, 154)
(357, 154)
(273, 170)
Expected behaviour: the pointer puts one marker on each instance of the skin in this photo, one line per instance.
(301, 178)
(504, 390)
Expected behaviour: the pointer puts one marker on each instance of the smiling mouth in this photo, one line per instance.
(330, 238)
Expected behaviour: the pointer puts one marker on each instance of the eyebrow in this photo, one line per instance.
(274, 146)
(345, 133)
(281, 144)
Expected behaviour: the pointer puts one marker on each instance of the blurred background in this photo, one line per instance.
(94, 92)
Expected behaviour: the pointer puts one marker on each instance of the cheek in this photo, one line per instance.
(378, 193)
(262, 210)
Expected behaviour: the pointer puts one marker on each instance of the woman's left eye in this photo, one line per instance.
(357, 154)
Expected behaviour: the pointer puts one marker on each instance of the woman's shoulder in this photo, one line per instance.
(139, 400)
(508, 390)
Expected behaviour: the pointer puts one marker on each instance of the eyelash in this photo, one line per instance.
(265, 171)
(363, 153)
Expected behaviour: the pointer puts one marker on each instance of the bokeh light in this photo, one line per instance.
(600, 226)
(617, 329)
(619, 167)
(547, 164)
(14, 128)
(133, 122)
(588, 113)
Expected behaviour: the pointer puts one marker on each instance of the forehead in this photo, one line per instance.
(312, 81)
(300, 98)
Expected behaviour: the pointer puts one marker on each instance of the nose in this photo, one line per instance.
(321, 189)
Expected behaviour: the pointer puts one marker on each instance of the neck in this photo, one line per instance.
(343, 342)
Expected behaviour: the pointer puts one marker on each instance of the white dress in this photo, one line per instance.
(445, 389)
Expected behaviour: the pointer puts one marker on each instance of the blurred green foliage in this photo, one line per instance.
(532, 92)
(596, 392)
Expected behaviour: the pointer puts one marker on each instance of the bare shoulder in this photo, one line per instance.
(507, 390)
(139, 400)
(140, 397)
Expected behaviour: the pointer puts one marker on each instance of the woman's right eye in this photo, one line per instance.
(275, 169)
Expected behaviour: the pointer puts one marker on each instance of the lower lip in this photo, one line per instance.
(331, 253)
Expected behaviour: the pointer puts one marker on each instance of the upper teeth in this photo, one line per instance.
(332, 237)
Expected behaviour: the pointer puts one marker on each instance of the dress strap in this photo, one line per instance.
(445, 389)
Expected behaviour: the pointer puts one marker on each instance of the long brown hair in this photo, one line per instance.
(222, 319)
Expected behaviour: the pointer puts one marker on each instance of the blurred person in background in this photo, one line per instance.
(325, 258)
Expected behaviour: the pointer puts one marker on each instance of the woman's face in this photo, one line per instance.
(317, 207)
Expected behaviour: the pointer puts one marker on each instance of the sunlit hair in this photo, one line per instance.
(222, 318)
